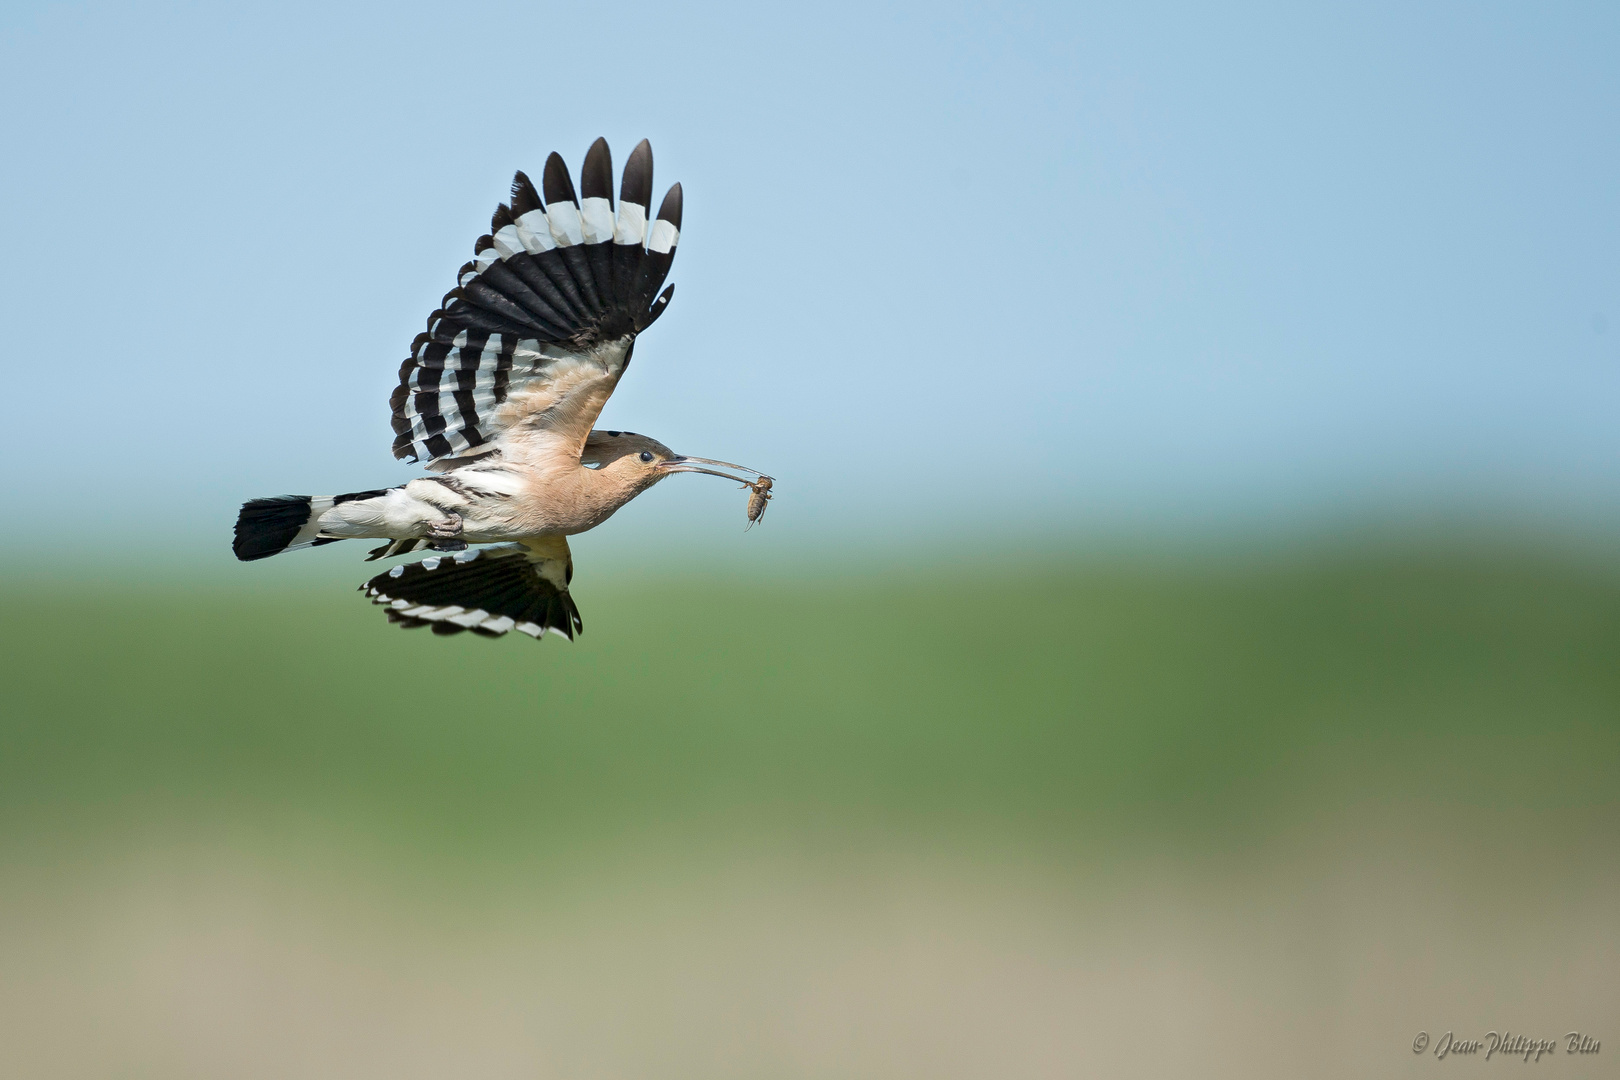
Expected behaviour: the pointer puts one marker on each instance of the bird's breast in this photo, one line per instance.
(569, 502)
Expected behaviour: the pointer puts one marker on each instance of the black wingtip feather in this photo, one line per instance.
(524, 197)
(501, 218)
(670, 211)
(596, 176)
(638, 176)
(559, 186)
(656, 309)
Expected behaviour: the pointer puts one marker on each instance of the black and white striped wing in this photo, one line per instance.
(492, 590)
(540, 325)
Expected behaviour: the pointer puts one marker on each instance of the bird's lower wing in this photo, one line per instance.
(522, 587)
(548, 310)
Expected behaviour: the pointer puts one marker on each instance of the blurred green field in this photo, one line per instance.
(1091, 699)
(1247, 816)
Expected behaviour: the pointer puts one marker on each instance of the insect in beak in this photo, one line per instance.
(760, 486)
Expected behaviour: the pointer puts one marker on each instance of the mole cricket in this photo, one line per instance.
(761, 489)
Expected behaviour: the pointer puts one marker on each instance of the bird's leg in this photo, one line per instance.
(445, 534)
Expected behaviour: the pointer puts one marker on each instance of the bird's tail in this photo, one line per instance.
(267, 527)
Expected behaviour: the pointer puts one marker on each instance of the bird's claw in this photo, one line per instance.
(446, 528)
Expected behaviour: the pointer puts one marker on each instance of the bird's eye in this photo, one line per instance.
(646, 455)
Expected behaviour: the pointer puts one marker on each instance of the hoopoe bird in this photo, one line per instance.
(498, 398)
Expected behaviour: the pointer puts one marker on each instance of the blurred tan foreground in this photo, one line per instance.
(1323, 957)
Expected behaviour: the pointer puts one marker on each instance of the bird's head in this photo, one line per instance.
(633, 460)
(642, 462)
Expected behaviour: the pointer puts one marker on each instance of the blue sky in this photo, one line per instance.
(944, 267)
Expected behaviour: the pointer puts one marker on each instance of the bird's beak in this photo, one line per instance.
(680, 463)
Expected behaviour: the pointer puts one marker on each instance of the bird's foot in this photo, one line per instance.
(446, 528)
(448, 545)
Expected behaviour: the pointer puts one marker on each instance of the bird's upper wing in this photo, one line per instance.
(531, 342)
